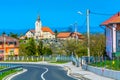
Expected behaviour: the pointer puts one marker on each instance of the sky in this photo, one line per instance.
(20, 15)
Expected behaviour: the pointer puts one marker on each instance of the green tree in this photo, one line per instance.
(97, 44)
(40, 47)
(78, 48)
(47, 51)
(22, 49)
(13, 35)
(56, 33)
(31, 47)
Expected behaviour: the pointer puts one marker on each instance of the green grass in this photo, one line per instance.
(7, 73)
(109, 64)
(2, 67)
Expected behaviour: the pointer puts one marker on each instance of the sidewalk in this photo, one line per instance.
(81, 74)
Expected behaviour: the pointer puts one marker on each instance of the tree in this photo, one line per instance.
(97, 44)
(56, 33)
(3, 33)
(13, 35)
(47, 51)
(31, 47)
(22, 49)
(78, 48)
(40, 47)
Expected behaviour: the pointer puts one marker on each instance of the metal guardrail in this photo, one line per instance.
(9, 68)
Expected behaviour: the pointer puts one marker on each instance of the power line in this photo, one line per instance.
(104, 14)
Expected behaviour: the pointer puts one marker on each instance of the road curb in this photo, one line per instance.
(74, 75)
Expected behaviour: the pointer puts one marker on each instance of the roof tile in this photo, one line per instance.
(114, 19)
(46, 29)
(63, 35)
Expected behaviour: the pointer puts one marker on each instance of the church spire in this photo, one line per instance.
(38, 19)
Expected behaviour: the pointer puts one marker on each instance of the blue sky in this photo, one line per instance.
(20, 15)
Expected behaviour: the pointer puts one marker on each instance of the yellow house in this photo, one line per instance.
(8, 46)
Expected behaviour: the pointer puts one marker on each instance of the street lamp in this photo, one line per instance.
(79, 12)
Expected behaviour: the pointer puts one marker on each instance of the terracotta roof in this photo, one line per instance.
(46, 29)
(8, 39)
(63, 35)
(114, 19)
(74, 34)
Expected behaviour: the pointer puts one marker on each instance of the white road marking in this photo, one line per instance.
(42, 75)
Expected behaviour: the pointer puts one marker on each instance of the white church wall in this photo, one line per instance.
(29, 34)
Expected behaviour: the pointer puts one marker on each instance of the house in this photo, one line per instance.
(8, 46)
(40, 32)
(112, 32)
(69, 35)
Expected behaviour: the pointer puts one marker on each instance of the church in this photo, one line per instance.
(40, 32)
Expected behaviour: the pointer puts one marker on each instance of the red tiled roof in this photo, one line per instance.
(8, 39)
(63, 35)
(69, 34)
(46, 29)
(74, 34)
(114, 19)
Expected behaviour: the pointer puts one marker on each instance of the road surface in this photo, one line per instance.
(43, 72)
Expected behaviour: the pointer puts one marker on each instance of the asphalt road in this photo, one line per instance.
(43, 72)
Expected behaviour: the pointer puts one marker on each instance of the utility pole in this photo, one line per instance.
(88, 34)
(76, 37)
(4, 43)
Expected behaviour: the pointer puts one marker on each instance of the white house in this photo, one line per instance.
(112, 31)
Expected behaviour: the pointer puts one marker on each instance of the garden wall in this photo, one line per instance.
(103, 72)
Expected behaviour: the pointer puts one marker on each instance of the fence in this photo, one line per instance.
(38, 58)
(105, 62)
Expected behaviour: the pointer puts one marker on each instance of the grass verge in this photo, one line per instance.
(8, 73)
(109, 64)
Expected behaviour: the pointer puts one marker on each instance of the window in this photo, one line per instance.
(10, 43)
(1, 43)
(15, 43)
(1, 51)
(11, 51)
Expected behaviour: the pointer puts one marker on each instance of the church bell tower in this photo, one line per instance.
(38, 27)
